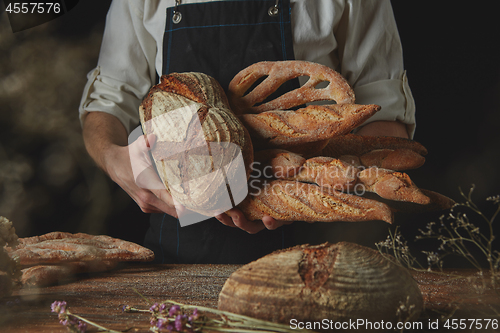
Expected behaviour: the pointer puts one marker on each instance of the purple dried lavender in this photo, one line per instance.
(178, 323)
(82, 327)
(194, 316)
(161, 323)
(66, 319)
(163, 307)
(58, 307)
(154, 308)
(173, 310)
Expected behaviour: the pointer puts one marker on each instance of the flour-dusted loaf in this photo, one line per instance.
(337, 282)
(198, 137)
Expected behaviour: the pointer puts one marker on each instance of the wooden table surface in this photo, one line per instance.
(100, 297)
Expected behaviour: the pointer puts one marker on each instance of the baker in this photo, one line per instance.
(145, 39)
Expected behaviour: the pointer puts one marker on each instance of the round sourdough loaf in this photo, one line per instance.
(202, 152)
(337, 282)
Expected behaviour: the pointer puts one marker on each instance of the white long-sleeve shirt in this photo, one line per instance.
(357, 38)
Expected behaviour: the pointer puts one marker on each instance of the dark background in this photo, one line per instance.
(47, 181)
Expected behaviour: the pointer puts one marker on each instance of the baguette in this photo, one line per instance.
(295, 201)
(323, 171)
(314, 123)
(331, 173)
(392, 185)
(351, 144)
(279, 72)
(393, 159)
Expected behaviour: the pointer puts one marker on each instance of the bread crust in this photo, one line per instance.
(295, 201)
(60, 247)
(314, 123)
(279, 72)
(197, 137)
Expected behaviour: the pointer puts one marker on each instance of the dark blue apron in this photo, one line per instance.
(219, 39)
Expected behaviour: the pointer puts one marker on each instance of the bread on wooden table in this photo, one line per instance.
(46, 275)
(60, 247)
(57, 257)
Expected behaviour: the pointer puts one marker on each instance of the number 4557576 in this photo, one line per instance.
(471, 324)
(33, 8)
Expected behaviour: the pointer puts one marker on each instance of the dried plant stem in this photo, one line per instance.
(236, 320)
(101, 328)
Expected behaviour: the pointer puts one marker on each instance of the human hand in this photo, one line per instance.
(384, 128)
(144, 187)
(235, 218)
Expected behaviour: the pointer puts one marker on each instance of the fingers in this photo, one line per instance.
(271, 224)
(238, 220)
(235, 218)
(150, 140)
(226, 220)
(159, 202)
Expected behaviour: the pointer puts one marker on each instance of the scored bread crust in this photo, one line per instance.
(314, 123)
(393, 159)
(357, 145)
(59, 247)
(392, 185)
(324, 171)
(296, 201)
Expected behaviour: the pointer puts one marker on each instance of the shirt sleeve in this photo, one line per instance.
(370, 57)
(125, 70)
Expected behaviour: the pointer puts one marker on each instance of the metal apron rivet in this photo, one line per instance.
(274, 10)
(177, 17)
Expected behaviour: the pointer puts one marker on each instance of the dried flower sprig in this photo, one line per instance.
(456, 234)
(396, 249)
(178, 319)
(170, 316)
(74, 322)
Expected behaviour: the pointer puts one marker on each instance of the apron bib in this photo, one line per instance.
(219, 39)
